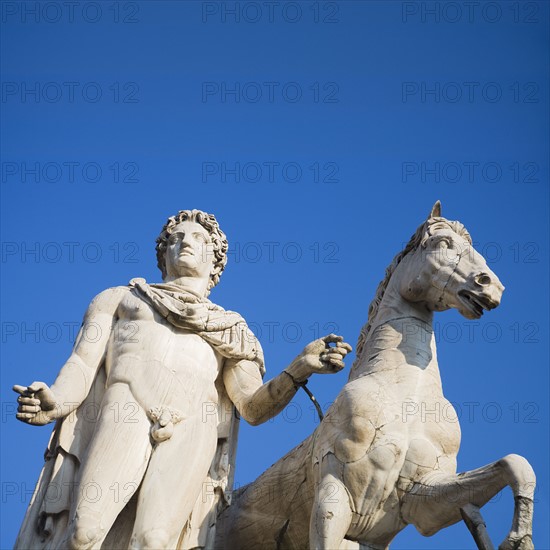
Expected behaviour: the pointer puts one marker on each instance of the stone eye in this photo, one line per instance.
(173, 239)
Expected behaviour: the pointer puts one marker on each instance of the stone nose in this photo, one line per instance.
(483, 279)
(186, 243)
(490, 288)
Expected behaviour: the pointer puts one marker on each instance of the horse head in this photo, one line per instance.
(444, 271)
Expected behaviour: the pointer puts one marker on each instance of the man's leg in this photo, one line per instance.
(173, 481)
(115, 463)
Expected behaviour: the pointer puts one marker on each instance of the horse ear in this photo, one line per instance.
(436, 210)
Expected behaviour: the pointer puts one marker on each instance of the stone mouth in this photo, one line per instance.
(475, 303)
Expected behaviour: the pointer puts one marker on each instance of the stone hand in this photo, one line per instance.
(320, 357)
(37, 404)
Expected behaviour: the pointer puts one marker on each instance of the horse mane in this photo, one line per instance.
(425, 230)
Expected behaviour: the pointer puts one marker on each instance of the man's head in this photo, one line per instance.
(208, 221)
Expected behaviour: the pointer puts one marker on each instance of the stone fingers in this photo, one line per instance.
(340, 345)
(333, 361)
(332, 339)
(28, 405)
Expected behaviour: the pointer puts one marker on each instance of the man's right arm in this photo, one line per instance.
(39, 404)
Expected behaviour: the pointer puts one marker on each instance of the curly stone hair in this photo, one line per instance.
(209, 222)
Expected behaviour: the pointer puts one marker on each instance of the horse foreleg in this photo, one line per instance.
(331, 515)
(436, 500)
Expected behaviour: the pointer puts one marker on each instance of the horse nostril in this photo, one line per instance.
(483, 279)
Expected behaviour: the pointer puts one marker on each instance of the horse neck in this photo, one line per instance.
(399, 327)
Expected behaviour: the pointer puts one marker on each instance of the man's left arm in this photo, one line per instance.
(258, 402)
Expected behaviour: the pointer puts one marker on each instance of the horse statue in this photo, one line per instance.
(378, 461)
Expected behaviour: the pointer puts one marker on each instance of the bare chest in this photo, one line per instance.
(143, 335)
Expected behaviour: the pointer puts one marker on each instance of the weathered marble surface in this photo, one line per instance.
(142, 455)
(377, 462)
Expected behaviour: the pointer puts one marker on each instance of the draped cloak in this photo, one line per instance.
(47, 517)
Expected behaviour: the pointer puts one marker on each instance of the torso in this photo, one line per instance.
(164, 366)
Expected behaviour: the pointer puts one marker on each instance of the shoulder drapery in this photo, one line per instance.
(226, 331)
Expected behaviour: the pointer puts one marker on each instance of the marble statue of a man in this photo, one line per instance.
(143, 449)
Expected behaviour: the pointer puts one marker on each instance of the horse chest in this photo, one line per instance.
(435, 421)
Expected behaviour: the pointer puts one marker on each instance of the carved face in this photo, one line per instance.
(447, 272)
(189, 251)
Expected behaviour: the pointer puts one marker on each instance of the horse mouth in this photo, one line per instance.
(474, 303)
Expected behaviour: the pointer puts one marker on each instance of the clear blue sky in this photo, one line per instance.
(352, 119)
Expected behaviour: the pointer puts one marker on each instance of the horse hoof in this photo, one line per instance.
(525, 543)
